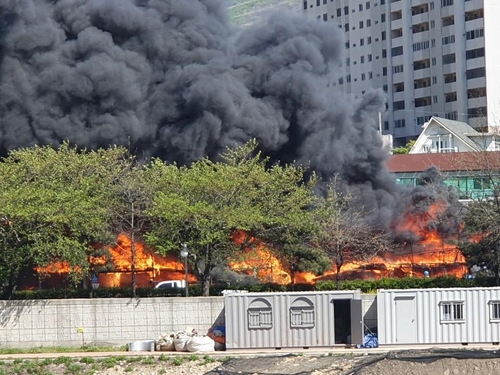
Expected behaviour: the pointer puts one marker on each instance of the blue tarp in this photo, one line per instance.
(370, 341)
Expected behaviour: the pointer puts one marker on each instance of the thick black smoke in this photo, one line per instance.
(174, 78)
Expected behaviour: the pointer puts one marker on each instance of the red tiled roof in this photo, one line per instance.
(458, 161)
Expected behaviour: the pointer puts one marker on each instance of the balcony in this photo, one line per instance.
(419, 18)
(474, 44)
(476, 83)
(450, 87)
(476, 102)
(422, 73)
(474, 24)
(449, 68)
(398, 96)
(424, 91)
(476, 63)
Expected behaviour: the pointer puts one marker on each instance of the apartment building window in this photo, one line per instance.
(361, 24)
(383, 35)
(348, 61)
(448, 39)
(386, 125)
(435, 99)
(348, 78)
(422, 102)
(318, 3)
(431, 5)
(382, 17)
(369, 57)
(420, 45)
(384, 71)
(446, 3)
(450, 97)
(385, 88)
(434, 80)
(477, 112)
(474, 15)
(398, 87)
(305, 5)
(433, 61)
(476, 73)
(433, 24)
(347, 45)
(448, 21)
(397, 69)
(341, 81)
(474, 53)
(382, 2)
(325, 17)
(346, 10)
(367, 5)
(474, 34)
(433, 43)
(384, 53)
(449, 78)
(399, 123)
(363, 76)
(324, 2)
(369, 40)
(423, 119)
(476, 93)
(339, 12)
(370, 75)
(449, 59)
(361, 42)
(451, 115)
(346, 27)
(360, 7)
(398, 105)
(362, 60)
(368, 23)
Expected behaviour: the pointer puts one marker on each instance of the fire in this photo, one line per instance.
(149, 266)
(431, 255)
(258, 261)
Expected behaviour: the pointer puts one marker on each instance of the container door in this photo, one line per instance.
(357, 329)
(406, 325)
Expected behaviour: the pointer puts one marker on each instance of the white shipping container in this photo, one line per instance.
(293, 319)
(438, 316)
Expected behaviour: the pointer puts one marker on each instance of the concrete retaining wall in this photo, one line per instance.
(115, 321)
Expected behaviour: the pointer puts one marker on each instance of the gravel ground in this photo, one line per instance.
(411, 362)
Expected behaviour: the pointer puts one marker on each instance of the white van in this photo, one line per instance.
(171, 284)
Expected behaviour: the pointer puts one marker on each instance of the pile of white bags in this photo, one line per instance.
(184, 341)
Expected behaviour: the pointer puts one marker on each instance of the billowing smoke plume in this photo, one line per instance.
(174, 78)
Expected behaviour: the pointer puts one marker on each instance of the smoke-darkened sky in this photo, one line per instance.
(176, 79)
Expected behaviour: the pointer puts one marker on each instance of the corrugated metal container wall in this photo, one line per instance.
(281, 320)
(439, 316)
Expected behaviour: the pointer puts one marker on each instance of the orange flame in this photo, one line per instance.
(432, 253)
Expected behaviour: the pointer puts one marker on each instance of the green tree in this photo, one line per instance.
(404, 149)
(201, 206)
(56, 202)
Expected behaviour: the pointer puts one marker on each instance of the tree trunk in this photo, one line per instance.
(132, 248)
(206, 284)
(337, 274)
(496, 267)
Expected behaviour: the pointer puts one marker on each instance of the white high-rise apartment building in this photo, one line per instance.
(431, 58)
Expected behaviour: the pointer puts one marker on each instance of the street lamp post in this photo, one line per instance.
(185, 254)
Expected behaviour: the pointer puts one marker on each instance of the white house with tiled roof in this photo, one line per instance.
(440, 135)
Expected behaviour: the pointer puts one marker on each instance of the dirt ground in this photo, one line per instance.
(411, 362)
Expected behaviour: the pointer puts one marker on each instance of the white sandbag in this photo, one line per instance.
(200, 344)
(165, 343)
(180, 343)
